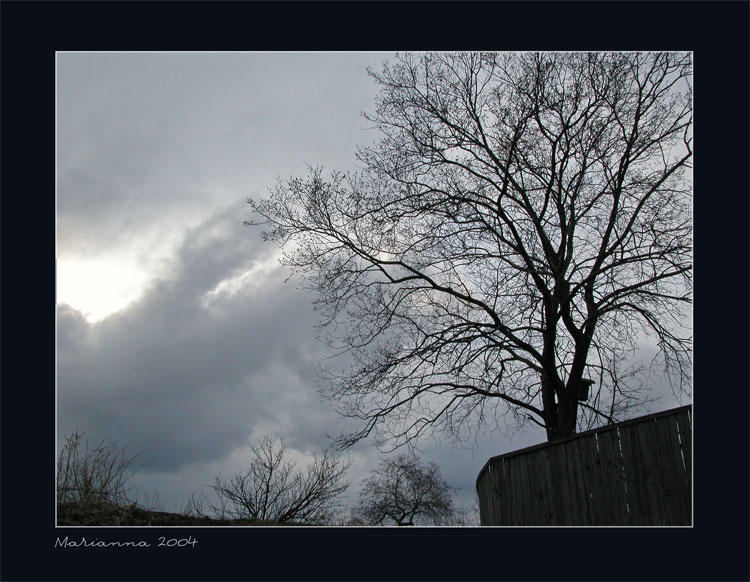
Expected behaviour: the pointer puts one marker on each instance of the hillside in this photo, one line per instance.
(105, 514)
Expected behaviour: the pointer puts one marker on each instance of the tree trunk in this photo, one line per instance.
(561, 423)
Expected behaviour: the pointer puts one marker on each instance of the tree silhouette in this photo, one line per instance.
(523, 223)
(402, 490)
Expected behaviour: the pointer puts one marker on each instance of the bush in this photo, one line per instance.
(272, 489)
(90, 476)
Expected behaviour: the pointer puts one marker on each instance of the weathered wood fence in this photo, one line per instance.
(637, 472)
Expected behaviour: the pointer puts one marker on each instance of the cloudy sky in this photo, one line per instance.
(177, 330)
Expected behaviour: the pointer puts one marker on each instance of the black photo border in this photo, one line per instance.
(716, 548)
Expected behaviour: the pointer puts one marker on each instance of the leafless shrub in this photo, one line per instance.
(273, 489)
(195, 506)
(93, 474)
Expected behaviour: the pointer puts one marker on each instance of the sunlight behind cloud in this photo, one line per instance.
(98, 287)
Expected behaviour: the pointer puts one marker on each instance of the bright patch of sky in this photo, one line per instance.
(99, 287)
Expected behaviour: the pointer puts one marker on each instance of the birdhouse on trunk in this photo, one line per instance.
(583, 389)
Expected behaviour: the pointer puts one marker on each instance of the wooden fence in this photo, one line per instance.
(637, 472)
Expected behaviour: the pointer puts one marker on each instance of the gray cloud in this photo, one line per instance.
(145, 136)
(186, 379)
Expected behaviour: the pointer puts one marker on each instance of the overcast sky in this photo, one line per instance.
(176, 329)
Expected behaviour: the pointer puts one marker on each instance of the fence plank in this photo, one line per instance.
(654, 475)
(580, 451)
(683, 480)
(507, 503)
(630, 445)
(536, 492)
(573, 463)
(595, 481)
(530, 493)
(544, 491)
(514, 504)
(521, 491)
(664, 455)
(585, 444)
(487, 500)
(502, 485)
(672, 476)
(552, 497)
(615, 498)
(684, 422)
(563, 490)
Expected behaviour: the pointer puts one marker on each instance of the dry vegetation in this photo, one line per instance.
(92, 490)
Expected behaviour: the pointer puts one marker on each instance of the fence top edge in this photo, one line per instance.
(601, 429)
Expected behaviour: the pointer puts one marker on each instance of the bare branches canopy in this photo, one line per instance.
(522, 223)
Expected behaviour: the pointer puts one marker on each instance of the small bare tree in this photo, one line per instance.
(93, 474)
(272, 489)
(404, 491)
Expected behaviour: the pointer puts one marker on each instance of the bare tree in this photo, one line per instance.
(93, 474)
(403, 491)
(522, 224)
(272, 489)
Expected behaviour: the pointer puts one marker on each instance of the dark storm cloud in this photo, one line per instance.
(184, 374)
